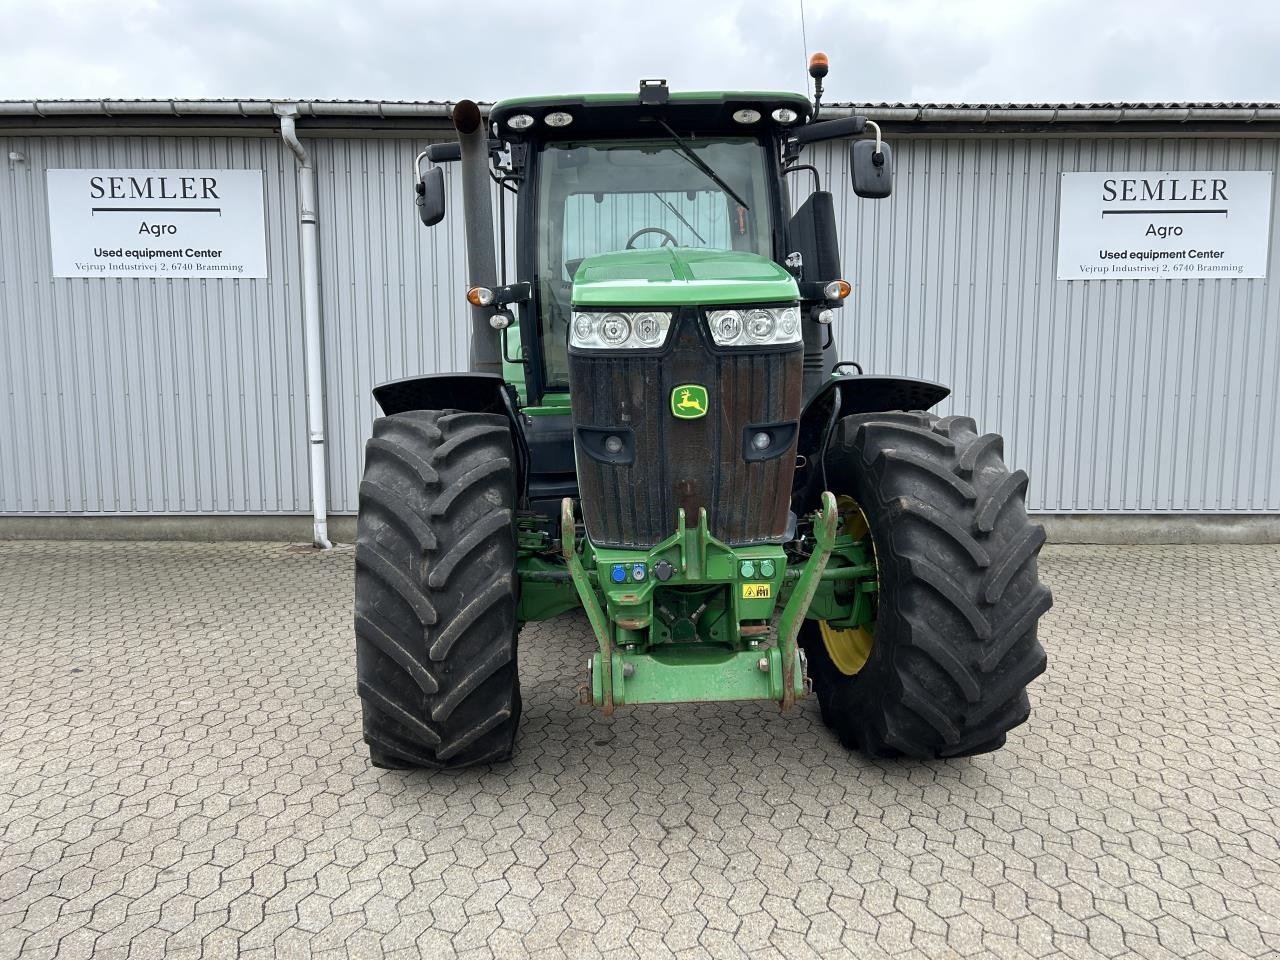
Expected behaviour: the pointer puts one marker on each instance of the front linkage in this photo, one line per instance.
(693, 619)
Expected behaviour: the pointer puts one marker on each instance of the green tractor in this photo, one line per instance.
(656, 429)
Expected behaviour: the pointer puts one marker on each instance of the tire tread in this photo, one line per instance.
(956, 641)
(437, 591)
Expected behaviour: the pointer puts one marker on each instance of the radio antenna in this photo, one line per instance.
(804, 39)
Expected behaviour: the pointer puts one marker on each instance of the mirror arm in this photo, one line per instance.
(417, 173)
(513, 293)
(829, 130)
(792, 168)
(879, 143)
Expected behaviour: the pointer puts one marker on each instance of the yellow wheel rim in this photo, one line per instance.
(848, 648)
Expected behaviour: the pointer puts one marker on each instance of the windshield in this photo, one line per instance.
(604, 196)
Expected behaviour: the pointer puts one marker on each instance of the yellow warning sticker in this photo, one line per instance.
(757, 591)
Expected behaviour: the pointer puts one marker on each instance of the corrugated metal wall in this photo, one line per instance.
(1143, 396)
(130, 395)
(186, 396)
(392, 290)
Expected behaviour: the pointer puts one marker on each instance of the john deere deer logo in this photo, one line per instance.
(689, 401)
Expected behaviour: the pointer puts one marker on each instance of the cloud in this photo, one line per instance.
(928, 50)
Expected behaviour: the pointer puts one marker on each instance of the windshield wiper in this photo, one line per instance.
(670, 206)
(701, 164)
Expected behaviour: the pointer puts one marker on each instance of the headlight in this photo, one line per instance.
(651, 328)
(726, 326)
(614, 329)
(618, 330)
(757, 326)
(760, 326)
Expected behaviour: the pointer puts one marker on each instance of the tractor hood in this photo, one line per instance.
(676, 276)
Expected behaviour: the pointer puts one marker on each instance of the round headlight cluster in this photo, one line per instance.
(619, 330)
(756, 326)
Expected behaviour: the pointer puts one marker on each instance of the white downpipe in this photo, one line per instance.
(311, 336)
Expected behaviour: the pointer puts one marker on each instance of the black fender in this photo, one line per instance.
(871, 394)
(472, 392)
(844, 396)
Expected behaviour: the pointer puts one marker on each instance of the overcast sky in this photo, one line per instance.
(910, 50)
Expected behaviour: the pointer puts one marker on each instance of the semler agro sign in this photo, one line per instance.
(1166, 225)
(157, 223)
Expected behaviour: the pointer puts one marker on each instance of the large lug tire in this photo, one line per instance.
(955, 638)
(436, 591)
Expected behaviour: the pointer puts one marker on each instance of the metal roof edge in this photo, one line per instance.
(901, 113)
(244, 108)
(1057, 113)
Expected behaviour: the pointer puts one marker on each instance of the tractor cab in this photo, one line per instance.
(619, 177)
(608, 174)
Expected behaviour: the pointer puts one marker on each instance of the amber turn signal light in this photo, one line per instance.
(837, 289)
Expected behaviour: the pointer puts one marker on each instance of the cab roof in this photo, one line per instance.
(615, 114)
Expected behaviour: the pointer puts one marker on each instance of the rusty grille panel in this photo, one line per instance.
(685, 463)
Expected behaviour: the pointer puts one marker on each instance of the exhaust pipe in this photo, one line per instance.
(477, 209)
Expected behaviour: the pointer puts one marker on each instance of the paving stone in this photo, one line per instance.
(181, 774)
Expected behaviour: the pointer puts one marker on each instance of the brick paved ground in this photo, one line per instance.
(181, 771)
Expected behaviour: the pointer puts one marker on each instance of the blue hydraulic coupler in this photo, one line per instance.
(618, 574)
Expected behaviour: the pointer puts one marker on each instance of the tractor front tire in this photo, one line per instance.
(436, 591)
(954, 644)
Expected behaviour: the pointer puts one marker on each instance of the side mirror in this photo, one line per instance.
(430, 196)
(872, 169)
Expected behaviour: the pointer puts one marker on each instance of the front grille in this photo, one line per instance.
(685, 463)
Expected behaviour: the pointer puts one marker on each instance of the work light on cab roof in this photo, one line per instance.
(657, 428)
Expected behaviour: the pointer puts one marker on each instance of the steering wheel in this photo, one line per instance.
(668, 238)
